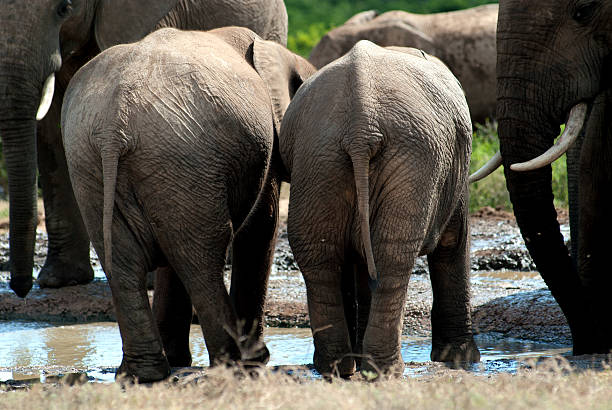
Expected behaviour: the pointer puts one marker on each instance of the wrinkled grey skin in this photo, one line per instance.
(40, 37)
(464, 40)
(168, 144)
(553, 55)
(385, 134)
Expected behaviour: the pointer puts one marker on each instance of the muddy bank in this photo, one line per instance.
(507, 297)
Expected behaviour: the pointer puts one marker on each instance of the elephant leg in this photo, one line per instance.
(382, 338)
(252, 255)
(143, 353)
(67, 260)
(596, 224)
(316, 235)
(357, 299)
(333, 352)
(349, 299)
(397, 235)
(200, 269)
(449, 269)
(173, 314)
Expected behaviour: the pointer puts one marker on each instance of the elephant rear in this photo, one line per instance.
(412, 114)
(380, 178)
(175, 140)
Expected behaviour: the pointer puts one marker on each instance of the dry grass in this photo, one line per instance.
(551, 386)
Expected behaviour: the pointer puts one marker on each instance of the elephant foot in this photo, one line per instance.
(373, 369)
(464, 350)
(57, 274)
(134, 372)
(256, 353)
(328, 367)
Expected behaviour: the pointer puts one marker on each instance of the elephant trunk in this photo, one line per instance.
(18, 131)
(526, 133)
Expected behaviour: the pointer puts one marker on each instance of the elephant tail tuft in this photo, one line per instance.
(110, 160)
(361, 170)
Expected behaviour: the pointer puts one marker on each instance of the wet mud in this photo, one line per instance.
(63, 336)
(508, 298)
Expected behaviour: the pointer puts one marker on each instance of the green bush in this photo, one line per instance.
(302, 41)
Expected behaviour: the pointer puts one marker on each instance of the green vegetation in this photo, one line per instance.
(309, 20)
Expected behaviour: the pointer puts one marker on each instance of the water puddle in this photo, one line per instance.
(33, 350)
(509, 279)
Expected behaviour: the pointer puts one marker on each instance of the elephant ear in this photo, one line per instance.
(283, 73)
(126, 21)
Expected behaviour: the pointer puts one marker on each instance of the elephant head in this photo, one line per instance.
(38, 37)
(282, 71)
(553, 55)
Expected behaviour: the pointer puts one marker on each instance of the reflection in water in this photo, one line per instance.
(26, 344)
(35, 344)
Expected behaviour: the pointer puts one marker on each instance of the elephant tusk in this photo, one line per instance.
(47, 97)
(572, 129)
(487, 169)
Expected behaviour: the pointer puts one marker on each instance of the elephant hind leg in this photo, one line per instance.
(357, 299)
(143, 354)
(253, 252)
(200, 268)
(132, 250)
(319, 255)
(333, 352)
(382, 338)
(173, 313)
(449, 269)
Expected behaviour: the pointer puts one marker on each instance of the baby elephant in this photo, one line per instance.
(377, 145)
(168, 142)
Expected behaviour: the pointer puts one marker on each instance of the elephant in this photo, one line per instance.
(378, 163)
(555, 63)
(44, 43)
(168, 145)
(464, 40)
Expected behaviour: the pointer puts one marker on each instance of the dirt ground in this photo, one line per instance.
(507, 297)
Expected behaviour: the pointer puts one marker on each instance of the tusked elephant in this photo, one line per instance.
(168, 145)
(555, 63)
(378, 163)
(464, 40)
(43, 37)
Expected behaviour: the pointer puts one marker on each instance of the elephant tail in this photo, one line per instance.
(361, 169)
(110, 160)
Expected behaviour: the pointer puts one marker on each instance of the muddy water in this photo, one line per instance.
(502, 299)
(27, 347)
